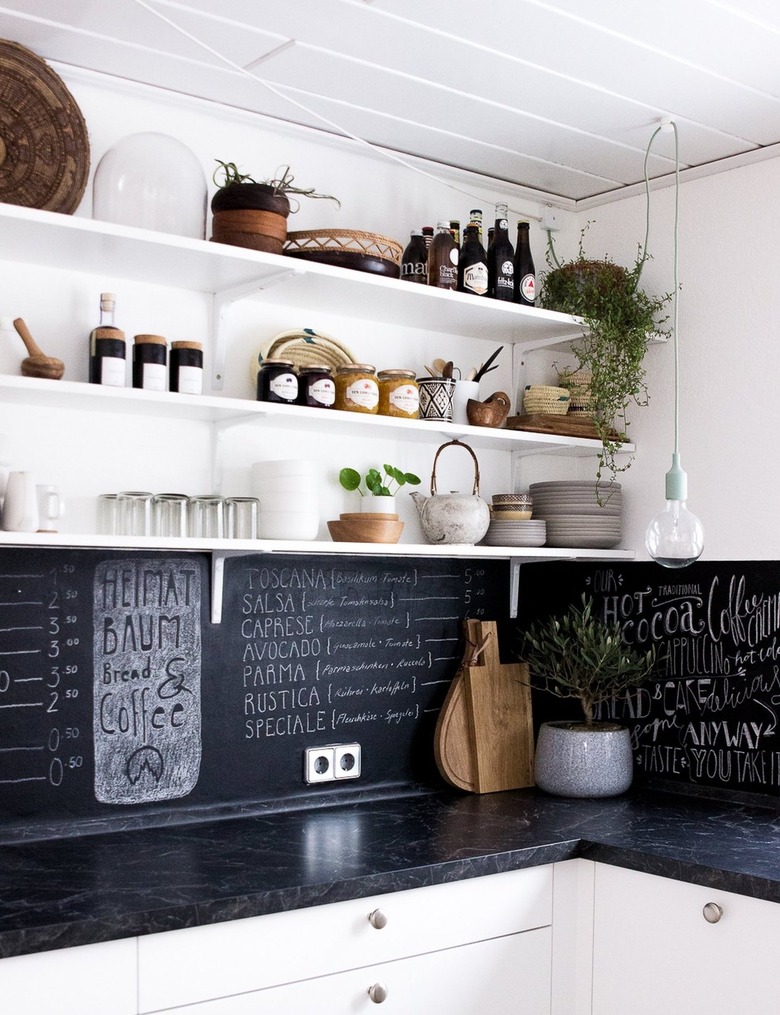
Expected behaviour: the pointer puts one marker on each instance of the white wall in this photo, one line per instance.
(729, 354)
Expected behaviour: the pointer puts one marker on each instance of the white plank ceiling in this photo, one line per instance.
(560, 96)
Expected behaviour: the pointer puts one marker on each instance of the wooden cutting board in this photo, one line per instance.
(484, 735)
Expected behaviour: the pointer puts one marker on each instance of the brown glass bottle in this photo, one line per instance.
(525, 275)
(501, 254)
(472, 264)
(443, 259)
(414, 260)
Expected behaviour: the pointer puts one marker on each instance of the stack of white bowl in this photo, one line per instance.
(288, 496)
(580, 513)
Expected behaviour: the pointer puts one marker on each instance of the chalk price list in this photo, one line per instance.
(40, 658)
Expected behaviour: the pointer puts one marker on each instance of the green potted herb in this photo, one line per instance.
(378, 484)
(619, 317)
(248, 213)
(577, 656)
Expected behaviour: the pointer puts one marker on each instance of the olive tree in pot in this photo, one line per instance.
(251, 214)
(620, 318)
(577, 656)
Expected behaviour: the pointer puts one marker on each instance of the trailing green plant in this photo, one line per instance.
(619, 317)
(227, 173)
(577, 656)
(378, 484)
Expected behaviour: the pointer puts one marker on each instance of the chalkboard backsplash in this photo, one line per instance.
(122, 704)
(710, 719)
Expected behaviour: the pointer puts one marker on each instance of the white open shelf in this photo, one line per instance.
(239, 411)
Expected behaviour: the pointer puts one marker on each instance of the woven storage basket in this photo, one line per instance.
(347, 248)
(545, 399)
(578, 384)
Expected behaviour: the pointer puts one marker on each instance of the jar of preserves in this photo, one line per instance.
(277, 382)
(399, 394)
(316, 387)
(357, 388)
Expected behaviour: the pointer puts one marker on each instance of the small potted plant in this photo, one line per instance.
(248, 213)
(384, 485)
(577, 656)
(378, 521)
(620, 317)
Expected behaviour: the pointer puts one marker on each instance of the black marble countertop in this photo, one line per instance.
(64, 892)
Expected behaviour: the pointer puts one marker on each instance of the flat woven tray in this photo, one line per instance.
(569, 425)
(303, 348)
(347, 248)
(44, 145)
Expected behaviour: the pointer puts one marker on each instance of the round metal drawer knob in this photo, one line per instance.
(377, 919)
(712, 912)
(377, 992)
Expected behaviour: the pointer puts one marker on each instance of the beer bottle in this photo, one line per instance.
(501, 268)
(443, 259)
(472, 264)
(414, 260)
(525, 277)
(455, 230)
(475, 219)
(427, 232)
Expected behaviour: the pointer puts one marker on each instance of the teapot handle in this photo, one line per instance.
(460, 444)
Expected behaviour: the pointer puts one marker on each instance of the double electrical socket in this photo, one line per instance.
(334, 762)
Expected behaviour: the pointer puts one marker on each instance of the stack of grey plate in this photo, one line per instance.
(579, 513)
(530, 532)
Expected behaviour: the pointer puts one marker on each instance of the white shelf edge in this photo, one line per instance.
(229, 412)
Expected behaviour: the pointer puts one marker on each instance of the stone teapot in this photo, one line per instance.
(453, 517)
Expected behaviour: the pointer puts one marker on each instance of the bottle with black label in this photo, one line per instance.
(107, 348)
(501, 254)
(443, 259)
(472, 264)
(414, 260)
(525, 276)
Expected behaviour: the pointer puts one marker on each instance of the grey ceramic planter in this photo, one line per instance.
(574, 761)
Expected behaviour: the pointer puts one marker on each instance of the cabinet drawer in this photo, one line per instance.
(88, 980)
(504, 976)
(186, 966)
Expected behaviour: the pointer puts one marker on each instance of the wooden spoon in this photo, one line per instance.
(37, 364)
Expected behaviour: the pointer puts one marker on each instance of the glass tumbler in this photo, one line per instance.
(206, 517)
(169, 514)
(108, 514)
(134, 513)
(241, 514)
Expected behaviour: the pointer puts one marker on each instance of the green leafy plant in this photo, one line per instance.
(378, 484)
(227, 174)
(620, 318)
(577, 656)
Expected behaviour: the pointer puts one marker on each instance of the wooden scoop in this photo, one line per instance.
(37, 364)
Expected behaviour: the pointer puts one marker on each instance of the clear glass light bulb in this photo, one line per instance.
(675, 537)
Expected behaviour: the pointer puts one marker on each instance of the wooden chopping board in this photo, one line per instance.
(484, 735)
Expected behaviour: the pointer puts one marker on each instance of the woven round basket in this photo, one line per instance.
(44, 145)
(578, 384)
(302, 348)
(347, 248)
(545, 399)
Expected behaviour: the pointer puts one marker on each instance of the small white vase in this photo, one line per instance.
(377, 505)
(573, 760)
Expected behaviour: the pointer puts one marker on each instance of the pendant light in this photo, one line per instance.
(675, 537)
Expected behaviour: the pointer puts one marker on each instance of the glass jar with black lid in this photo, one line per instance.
(277, 382)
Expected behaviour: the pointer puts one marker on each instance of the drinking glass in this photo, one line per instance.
(108, 514)
(241, 514)
(135, 513)
(169, 514)
(206, 517)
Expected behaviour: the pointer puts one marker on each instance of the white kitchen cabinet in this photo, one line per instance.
(87, 980)
(507, 975)
(244, 958)
(655, 951)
